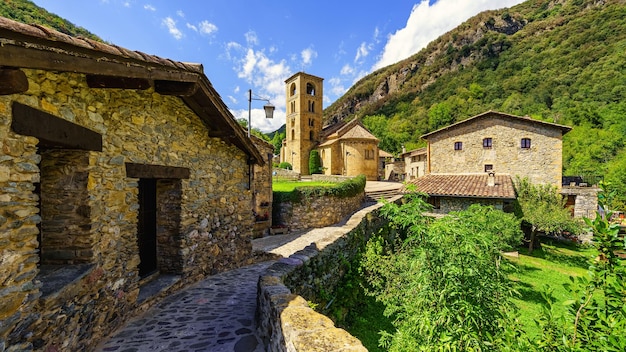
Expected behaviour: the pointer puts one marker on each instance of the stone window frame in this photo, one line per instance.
(369, 154)
(458, 145)
(487, 143)
(292, 89)
(525, 143)
(56, 133)
(488, 167)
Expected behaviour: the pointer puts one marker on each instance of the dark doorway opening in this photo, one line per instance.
(147, 226)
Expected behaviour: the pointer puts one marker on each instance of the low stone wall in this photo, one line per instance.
(330, 178)
(284, 318)
(315, 212)
(284, 174)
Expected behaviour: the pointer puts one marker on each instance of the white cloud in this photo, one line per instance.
(265, 76)
(251, 38)
(149, 7)
(362, 52)
(180, 13)
(171, 26)
(336, 86)
(127, 4)
(427, 22)
(308, 55)
(207, 27)
(347, 70)
(192, 27)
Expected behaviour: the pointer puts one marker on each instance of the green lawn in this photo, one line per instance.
(288, 186)
(551, 266)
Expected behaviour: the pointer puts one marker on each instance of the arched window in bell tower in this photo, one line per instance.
(311, 135)
(310, 89)
(292, 89)
(311, 106)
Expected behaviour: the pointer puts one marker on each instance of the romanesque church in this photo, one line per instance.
(346, 148)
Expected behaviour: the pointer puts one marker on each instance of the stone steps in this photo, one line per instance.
(375, 196)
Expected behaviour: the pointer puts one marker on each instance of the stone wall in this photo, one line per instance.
(262, 185)
(541, 163)
(586, 203)
(312, 212)
(448, 204)
(207, 229)
(284, 174)
(330, 178)
(284, 318)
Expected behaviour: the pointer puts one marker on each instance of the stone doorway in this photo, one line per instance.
(147, 227)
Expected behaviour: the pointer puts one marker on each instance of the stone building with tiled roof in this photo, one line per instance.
(474, 161)
(346, 149)
(124, 177)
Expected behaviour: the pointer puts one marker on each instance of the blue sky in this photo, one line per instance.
(256, 45)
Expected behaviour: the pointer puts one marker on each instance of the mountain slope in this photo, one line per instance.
(27, 12)
(561, 61)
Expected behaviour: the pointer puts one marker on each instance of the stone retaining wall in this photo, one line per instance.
(284, 318)
(314, 212)
(330, 178)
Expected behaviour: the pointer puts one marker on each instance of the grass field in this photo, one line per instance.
(552, 265)
(288, 186)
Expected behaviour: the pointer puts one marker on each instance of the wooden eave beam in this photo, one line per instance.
(12, 81)
(180, 89)
(94, 63)
(156, 171)
(102, 81)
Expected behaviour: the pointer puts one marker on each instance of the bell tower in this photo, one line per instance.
(303, 125)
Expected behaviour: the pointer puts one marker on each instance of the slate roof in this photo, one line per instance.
(490, 114)
(39, 47)
(351, 130)
(464, 186)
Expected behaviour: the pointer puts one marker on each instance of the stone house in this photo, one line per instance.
(122, 175)
(506, 144)
(346, 149)
(460, 157)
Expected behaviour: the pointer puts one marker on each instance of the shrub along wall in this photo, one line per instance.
(311, 207)
(285, 320)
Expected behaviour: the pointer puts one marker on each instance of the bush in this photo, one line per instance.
(285, 165)
(348, 188)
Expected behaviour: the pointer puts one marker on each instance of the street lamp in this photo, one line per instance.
(269, 109)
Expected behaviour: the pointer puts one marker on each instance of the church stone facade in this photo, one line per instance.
(346, 149)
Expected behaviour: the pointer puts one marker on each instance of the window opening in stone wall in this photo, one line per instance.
(293, 135)
(435, 202)
(311, 106)
(310, 89)
(292, 89)
(458, 145)
(311, 135)
(488, 167)
(65, 229)
(293, 106)
(487, 143)
(525, 144)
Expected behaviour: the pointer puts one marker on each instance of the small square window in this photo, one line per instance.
(525, 143)
(458, 145)
(487, 142)
(488, 167)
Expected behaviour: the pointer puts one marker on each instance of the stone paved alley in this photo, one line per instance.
(216, 314)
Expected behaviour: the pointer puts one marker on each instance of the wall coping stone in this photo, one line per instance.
(284, 319)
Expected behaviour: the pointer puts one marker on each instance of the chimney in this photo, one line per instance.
(491, 178)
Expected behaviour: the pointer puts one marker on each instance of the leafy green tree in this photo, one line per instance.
(285, 165)
(315, 163)
(543, 209)
(439, 115)
(597, 310)
(443, 281)
(277, 141)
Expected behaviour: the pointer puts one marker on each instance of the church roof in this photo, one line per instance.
(464, 186)
(350, 130)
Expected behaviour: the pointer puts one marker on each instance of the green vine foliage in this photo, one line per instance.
(443, 281)
(596, 320)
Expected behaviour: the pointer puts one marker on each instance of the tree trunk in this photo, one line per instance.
(533, 235)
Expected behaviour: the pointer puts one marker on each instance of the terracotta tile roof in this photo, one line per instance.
(464, 185)
(384, 154)
(39, 47)
(495, 114)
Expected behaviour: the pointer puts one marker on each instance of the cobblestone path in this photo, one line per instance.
(216, 315)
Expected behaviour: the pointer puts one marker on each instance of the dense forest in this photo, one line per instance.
(556, 60)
